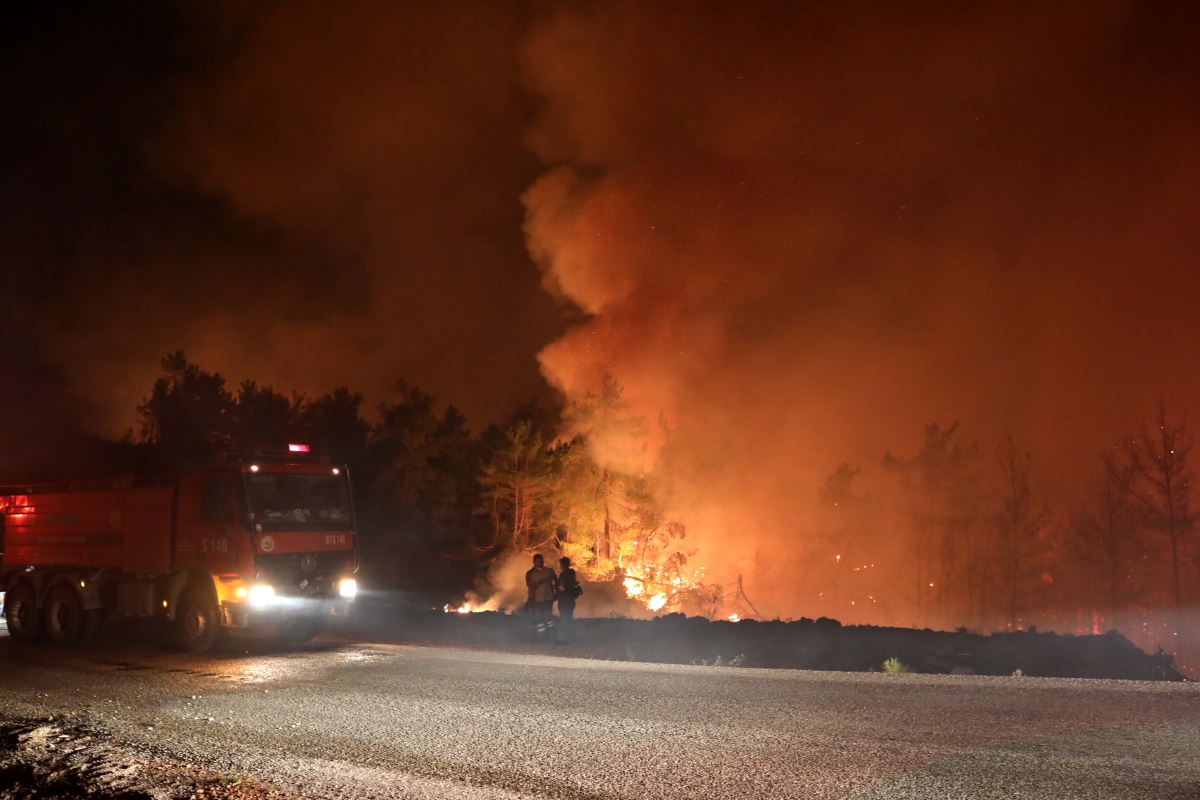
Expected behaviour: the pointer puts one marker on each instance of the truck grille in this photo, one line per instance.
(286, 571)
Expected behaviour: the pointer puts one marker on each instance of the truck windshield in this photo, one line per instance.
(280, 501)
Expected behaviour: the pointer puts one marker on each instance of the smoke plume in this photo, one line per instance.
(801, 233)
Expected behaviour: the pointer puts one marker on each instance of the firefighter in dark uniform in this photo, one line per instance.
(568, 591)
(542, 584)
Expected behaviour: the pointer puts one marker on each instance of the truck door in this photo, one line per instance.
(210, 532)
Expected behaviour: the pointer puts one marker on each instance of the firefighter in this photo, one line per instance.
(568, 591)
(542, 584)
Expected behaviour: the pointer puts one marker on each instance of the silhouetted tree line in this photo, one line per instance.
(952, 537)
(987, 549)
(436, 503)
(414, 470)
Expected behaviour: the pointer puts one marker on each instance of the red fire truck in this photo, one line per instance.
(262, 540)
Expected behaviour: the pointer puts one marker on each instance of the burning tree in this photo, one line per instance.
(617, 443)
(614, 525)
(639, 542)
(589, 498)
(580, 503)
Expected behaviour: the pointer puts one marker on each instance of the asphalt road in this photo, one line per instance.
(338, 720)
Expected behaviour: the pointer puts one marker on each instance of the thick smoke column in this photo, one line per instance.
(800, 236)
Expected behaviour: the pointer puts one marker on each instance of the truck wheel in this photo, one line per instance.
(196, 622)
(62, 616)
(20, 612)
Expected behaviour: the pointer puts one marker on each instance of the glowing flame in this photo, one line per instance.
(465, 608)
(658, 587)
(734, 618)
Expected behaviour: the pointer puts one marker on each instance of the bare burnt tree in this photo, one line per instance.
(1105, 530)
(941, 483)
(1020, 524)
(841, 505)
(1161, 485)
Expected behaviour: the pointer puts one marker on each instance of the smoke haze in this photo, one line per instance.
(794, 233)
(309, 195)
(800, 235)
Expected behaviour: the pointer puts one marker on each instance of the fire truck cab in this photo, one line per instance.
(262, 541)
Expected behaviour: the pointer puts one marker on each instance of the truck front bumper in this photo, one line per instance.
(283, 611)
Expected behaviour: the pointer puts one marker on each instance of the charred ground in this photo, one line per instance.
(821, 644)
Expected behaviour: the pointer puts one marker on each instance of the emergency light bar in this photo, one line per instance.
(296, 453)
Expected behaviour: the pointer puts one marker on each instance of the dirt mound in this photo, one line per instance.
(802, 644)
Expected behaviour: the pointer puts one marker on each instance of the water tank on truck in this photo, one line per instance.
(262, 541)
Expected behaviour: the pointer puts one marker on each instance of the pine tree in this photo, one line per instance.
(333, 425)
(941, 484)
(189, 412)
(616, 442)
(1021, 521)
(264, 417)
(517, 482)
(1105, 530)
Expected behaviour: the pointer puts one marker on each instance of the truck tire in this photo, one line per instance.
(62, 616)
(196, 622)
(20, 612)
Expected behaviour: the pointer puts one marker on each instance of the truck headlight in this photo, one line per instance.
(347, 588)
(262, 594)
